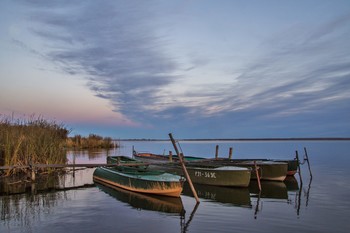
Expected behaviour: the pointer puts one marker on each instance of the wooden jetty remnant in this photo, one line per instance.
(33, 168)
(230, 153)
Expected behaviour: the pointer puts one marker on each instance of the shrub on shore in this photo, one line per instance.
(93, 141)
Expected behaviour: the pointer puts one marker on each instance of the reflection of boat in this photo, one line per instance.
(139, 178)
(269, 189)
(225, 195)
(291, 183)
(145, 202)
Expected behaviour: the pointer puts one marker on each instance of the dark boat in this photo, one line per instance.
(158, 158)
(273, 170)
(232, 176)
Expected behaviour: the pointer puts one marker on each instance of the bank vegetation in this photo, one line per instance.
(39, 141)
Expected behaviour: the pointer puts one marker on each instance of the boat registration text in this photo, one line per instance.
(205, 174)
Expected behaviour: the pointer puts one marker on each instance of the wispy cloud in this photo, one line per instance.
(112, 45)
(115, 46)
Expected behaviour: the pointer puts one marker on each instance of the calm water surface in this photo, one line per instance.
(320, 204)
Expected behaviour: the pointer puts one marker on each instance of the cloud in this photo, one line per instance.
(114, 45)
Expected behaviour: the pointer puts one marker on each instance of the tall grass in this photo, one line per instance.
(33, 140)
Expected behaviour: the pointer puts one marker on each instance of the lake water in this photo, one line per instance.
(320, 204)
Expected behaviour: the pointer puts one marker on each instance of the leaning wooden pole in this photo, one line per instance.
(184, 169)
(308, 162)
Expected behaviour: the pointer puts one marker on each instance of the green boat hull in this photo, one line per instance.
(139, 179)
(267, 170)
(220, 176)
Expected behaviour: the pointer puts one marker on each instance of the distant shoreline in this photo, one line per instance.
(242, 139)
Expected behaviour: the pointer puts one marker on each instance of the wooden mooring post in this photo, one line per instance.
(308, 162)
(170, 156)
(184, 169)
(217, 152)
(230, 153)
(299, 170)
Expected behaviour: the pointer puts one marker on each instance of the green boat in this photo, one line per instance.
(268, 170)
(139, 178)
(229, 176)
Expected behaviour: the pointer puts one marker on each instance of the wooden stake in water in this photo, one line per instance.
(307, 160)
(184, 169)
(217, 152)
(230, 153)
(170, 156)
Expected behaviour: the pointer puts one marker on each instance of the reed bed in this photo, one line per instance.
(31, 141)
(93, 141)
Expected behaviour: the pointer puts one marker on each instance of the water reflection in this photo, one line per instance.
(286, 198)
(145, 202)
(62, 180)
(269, 189)
(89, 156)
(287, 192)
(223, 195)
(25, 210)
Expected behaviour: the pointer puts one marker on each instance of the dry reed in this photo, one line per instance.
(31, 141)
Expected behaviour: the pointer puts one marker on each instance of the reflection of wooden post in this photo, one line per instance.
(33, 188)
(299, 170)
(170, 156)
(184, 168)
(74, 164)
(230, 153)
(217, 152)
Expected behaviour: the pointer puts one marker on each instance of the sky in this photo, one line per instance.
(194, 68)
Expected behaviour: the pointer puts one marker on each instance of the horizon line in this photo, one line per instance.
(243, 139)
